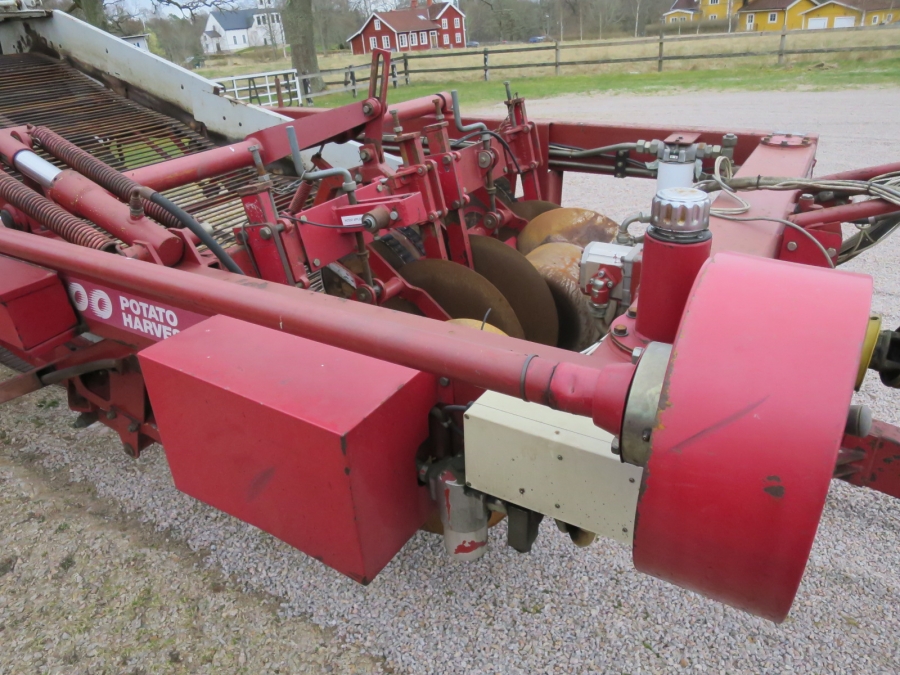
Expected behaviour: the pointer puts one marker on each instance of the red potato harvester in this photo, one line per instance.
(406, 344)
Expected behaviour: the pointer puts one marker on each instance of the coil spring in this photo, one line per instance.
(98, 171)
(50, 215)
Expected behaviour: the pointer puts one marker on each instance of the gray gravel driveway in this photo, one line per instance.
(562, 609)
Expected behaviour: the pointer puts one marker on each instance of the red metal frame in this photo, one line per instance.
(744, 343)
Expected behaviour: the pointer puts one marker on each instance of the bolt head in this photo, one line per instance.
(792, 246)
(110, 414)
(556, 506)
(265, 232)
(559, 457)
(444, 381)
(521, 491)
(316, 262)
(636, 354)
(831, 252)
(364, 155)
(620, 330)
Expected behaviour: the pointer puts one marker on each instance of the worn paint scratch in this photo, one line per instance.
(734, 417)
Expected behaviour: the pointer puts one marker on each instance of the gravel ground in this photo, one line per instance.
(560, 609)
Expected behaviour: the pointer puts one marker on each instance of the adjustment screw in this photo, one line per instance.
(620, 330)
(792, 246)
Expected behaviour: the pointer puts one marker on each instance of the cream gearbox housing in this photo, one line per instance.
(552, 462)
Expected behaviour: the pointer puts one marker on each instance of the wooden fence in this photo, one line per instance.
(263, 88)
(287, 87)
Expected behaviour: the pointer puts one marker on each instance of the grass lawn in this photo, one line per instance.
(837, 74)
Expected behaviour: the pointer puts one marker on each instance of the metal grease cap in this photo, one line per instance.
(680, 209)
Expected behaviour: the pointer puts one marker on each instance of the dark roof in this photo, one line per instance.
(685, 6)
(768, 5)
(435, 9)
(238, 19)
(872, 5)
(212, 33)
(406, 20)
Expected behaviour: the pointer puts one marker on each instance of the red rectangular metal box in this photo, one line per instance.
(311, 443)
(34, 306)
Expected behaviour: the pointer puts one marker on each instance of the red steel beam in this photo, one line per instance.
(589, 386)
(192, 168)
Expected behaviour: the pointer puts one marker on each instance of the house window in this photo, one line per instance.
(750, 21)
(377, 24)
(413, 39)
(446, 39)
(673, 19)
(713, 17)
(234, 39)
(276, 18)
(402, 39)
(433, 35)
(458, 38)
(890, 17)
(875, 20)
(386, 41)
(423, 37)
(456, 22)
(245, 39)
(444, 24)
(682, 18)
(373, 43)
(714, 2)
(773, 17)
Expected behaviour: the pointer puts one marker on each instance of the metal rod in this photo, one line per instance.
(591, 386)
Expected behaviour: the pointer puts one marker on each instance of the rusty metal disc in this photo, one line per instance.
(477, 325)
(531, 209)
(559, 265)
(522, 286)
(463, 293)
(574, 226)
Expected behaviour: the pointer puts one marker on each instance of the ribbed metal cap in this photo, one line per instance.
(680, 210)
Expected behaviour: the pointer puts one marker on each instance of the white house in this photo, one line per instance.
(242, 28)
(139, 41)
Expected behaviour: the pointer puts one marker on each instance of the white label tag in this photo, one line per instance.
(352, 220)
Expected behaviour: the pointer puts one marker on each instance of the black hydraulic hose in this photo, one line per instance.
(190, 223)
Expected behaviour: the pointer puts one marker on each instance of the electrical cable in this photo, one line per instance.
(304, 221)
(788, 223)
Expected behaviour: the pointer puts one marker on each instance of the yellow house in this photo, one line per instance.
(850, 13)
(701, 10)
(758, 15)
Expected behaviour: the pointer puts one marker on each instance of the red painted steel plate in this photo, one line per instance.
(34, 307)
(751, 419)
(311, 443)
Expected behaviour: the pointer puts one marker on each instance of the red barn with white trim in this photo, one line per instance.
(434, 25)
